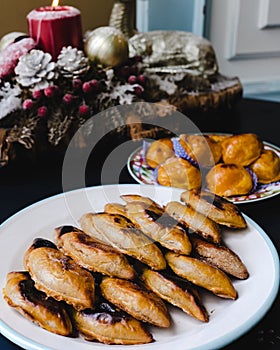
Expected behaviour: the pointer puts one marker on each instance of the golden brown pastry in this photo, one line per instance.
(215, 207)
(202, 148)
(229, 180)
(202, 274)
(267, 167)
(241, 149)
(172, 292)
(159, 226)
(114, 208)
(128, 198)
(58, 275)
(137, 302)
(20, 293)
(194, 220)
(178, 172)
(219, 137)
(125, 237)
(220, 256)
(158, 152)
(109, 325)
(93, 255)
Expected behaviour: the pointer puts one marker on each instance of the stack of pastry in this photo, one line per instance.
(113, 277)
(232, 165)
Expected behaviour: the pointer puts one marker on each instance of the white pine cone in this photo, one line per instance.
(35, 70)
(72, 63)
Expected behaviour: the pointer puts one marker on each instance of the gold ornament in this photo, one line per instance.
(106, 46)
(9, 38)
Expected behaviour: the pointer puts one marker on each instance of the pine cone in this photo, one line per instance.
(35, 70)
(72, 63)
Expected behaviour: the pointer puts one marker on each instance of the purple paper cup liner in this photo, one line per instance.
(145, 146)
(181, 153)
(254, 179)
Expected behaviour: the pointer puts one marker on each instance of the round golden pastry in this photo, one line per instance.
(178, 172)
(242, 149)
(219, 137)
(267, 167)
(229, 180)
(202, 148)
(158, 152)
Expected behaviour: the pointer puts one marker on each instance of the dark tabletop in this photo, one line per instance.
(27, 185)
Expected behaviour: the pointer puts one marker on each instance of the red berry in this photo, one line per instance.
(138, 89)
(37, 94)
(132, 79)
(125, 71)
(67, 99)
(94, 84)
(42, 111)
(84, 110)
(87, 87)
(51, 91)
(27, 104)
(138, 58)
(142, 79)
(133, 70)
(77, 83)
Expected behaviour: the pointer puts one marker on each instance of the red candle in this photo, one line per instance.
(53, 27)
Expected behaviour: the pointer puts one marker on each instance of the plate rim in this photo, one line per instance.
(138, 149)
(233, 335)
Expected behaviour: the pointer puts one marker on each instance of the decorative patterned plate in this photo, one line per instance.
(255, 294)
(143, 174)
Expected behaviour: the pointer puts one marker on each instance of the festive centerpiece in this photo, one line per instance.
(55, 78)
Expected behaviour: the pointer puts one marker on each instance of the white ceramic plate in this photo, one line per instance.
(142, 173)
(228, 319)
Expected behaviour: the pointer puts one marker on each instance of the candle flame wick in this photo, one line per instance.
(55, 3)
